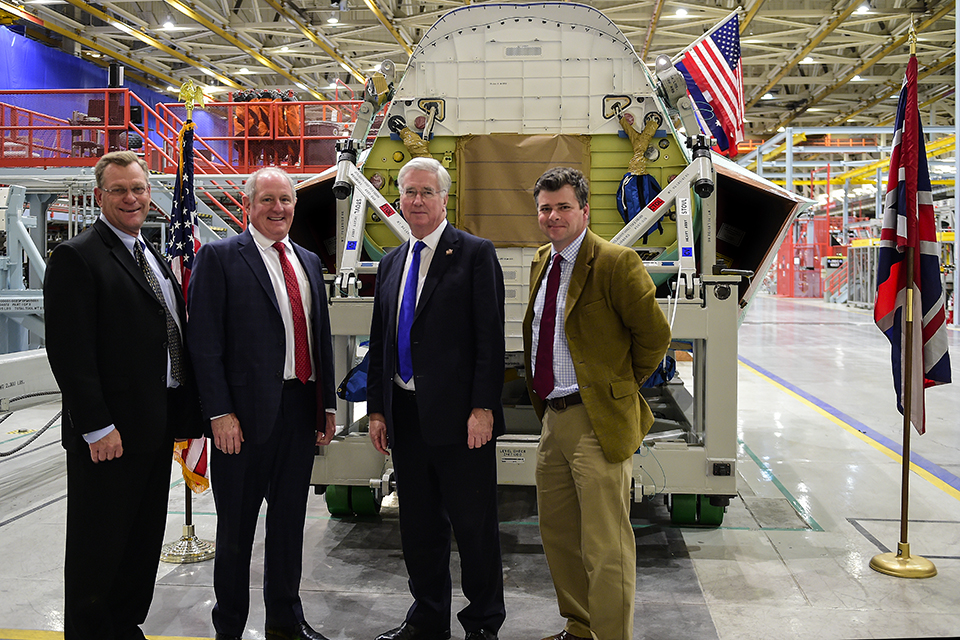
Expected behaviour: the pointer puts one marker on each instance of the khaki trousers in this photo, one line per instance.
(584, 507)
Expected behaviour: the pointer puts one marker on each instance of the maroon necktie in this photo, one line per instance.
(301, 345)
(543, 374)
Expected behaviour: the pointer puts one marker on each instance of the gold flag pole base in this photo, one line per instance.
(902, 565)
(189, 548)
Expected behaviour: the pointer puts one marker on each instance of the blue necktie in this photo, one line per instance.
(407, 306)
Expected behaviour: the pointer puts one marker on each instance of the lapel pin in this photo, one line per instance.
(449, 252)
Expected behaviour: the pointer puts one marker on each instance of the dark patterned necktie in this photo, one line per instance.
(543, 372)
(301, 344)
(174, 346)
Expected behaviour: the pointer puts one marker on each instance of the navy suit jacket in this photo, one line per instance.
(456, 339)
(237, 336)
(106, 335)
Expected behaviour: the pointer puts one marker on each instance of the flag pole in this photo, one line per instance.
(189, 548)
(901, 564)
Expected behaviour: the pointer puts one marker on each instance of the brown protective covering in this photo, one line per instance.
(495, 178)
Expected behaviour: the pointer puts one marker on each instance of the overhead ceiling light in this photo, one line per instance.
(284, 49)
(864, 8)
(173, 89)
(807, 60)
(767, 96)
(333, 20)
(681, 12)
(244, 71)
(856, 78)
(168, 25)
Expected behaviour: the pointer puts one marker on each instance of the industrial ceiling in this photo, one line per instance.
(805, 62)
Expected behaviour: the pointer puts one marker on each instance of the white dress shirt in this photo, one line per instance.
(166, 287)
(426, 257)
(564, 374)
(271, 259)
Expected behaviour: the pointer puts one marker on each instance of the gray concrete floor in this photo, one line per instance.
(819, 488)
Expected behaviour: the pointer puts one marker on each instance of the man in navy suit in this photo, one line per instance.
(113, 334)
(261, 347)
(433, 393)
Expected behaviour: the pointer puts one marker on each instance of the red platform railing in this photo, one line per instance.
(74, 127)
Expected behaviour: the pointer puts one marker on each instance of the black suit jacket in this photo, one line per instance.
(237, 337)
(456, 339)
(106, 335)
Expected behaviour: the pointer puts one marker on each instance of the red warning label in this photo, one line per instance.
(387, 210)
(655, 204)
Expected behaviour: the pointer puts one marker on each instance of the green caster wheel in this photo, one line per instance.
(338, 500)
(683, 508)
(709, 514)
(364, 501)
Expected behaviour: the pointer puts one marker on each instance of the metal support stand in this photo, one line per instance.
(189, 548)
(901, 564)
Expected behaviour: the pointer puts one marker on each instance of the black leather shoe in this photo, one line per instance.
(223, 636)
(481, 634)
(303, 631)
(409, 632)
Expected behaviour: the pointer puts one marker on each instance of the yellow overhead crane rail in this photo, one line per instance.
(196, 16)
(778, 150)
(74, 34)
(388, 25)
(935, 148)
(864, 174)
(140, 35)
(281, 7)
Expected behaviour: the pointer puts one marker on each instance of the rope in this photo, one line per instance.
(25, 396)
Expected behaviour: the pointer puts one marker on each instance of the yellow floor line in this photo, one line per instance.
(920, 471)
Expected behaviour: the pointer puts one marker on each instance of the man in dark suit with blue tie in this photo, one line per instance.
(260, 344)
(433, 393)
(114, 315)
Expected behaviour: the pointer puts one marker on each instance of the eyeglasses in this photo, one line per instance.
(425, 194)
(120, 192)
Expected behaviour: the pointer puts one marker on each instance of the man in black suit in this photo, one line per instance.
(261, 346)
(114, 315)
(433, 392)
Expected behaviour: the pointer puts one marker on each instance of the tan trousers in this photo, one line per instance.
(584, 507)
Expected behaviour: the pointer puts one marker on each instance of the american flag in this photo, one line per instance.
(909, 223)
(184, 243)
(184, 236)
(711, 67)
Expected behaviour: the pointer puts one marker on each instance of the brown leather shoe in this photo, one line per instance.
(566, 635)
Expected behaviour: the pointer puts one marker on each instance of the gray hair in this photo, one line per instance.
(426, 164)
(250, 186)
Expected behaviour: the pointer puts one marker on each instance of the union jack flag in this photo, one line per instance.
(184, 243)
(909, 223)
(711, 67)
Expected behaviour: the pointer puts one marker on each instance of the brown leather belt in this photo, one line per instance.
(559, 404)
